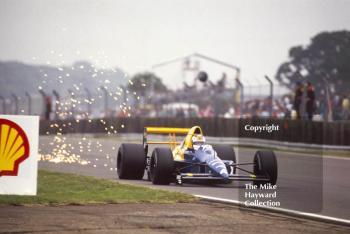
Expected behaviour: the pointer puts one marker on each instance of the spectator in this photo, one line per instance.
(180, 113)
(298, 96)
(310, 100)
(337, 107)
(221, 84)
(346, 107)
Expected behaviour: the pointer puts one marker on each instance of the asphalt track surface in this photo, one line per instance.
(308, 183)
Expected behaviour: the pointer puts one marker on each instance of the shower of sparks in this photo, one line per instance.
(62, 153)
(74, 107)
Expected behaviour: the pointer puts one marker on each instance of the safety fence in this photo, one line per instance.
(300, 131)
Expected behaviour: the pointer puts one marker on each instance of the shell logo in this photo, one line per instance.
(14, 147)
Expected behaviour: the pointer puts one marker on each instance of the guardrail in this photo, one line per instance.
(299, 131)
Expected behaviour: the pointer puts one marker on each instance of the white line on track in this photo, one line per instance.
(303, 154)
(279, 210)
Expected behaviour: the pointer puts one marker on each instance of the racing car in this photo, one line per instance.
(190, 160)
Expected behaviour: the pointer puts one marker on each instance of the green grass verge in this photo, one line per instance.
(61, 188)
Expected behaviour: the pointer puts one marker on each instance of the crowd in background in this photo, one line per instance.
(219, 101)
(304, 103)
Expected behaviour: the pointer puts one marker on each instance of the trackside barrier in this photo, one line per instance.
(298, 131)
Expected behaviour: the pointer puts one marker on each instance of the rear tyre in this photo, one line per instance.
(265, 164)
(161, 166)
(226, 152)
(131, 161)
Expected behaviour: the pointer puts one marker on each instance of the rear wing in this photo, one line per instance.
(172, 132)
(156, 130)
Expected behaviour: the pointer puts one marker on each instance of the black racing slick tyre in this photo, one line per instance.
(226, 152)
(265, 165)
(131, 161)
(161, 166)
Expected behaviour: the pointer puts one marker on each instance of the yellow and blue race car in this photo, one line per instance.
(190, 160)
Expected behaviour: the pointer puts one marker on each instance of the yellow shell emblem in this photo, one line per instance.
(14, 147)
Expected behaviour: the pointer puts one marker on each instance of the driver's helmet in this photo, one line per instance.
(198, 139)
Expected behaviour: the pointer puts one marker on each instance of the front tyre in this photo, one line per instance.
(161, 166)
(265, 165)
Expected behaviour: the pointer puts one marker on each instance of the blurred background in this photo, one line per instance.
(185, 59)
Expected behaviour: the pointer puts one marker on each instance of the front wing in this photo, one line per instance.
(188, 176)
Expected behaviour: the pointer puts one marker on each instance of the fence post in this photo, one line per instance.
(3, 104)
(88, 93)
(29, 103)
(72, 96)
(241, 89)
(57, 102)
(43, 94)
(329, 112)
(104, 90)
(271, 94)
(15, 97)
